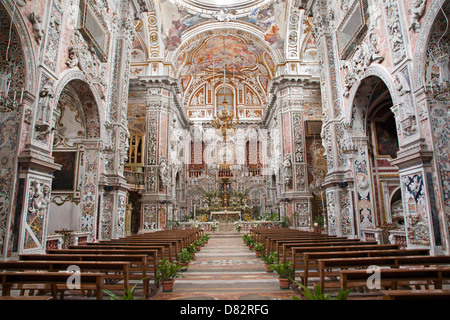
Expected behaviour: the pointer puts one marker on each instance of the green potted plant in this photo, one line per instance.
(249, 241)
(205, 238)
(238, 225)
(184, 257)
(197, 244)
(128, 294)
(166, 272)
(246, 238)
(319, 223)
(214, 224)
(317, 294)
(192, 250)
(258, 248)
(285, 272)
(269, 259)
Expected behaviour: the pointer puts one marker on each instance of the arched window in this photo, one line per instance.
(224, 100)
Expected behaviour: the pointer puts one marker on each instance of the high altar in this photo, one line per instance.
(226, 215)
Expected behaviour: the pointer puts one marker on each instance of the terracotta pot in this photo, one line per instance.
(284, 283)
(167, 285)
(184, 264)
(258, 253)
(267, 267)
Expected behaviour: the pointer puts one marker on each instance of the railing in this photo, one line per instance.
(134, 177)
(398, 237)
(195, 173)
(208, 226)
(395, 236)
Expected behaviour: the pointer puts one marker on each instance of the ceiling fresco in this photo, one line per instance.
(176, 20)
(241, 44)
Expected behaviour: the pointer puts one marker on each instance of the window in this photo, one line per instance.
(224, 101)
(135, 160)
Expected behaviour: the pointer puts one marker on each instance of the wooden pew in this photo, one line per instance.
(416, 294)
(260, 235)
(113, 270)
(185, 236)
(24, 298)
(297, 252)
(56, 280)
(369, 245)
(286, 248)
(393, 278)
(310, 259)
(383, 261)
(168, 249)
(153, 254)
(141, 268)
(272, 242)
(277, 244)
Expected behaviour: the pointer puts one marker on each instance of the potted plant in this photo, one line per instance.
(285, 272)
(192, 250)
(317, 294)
(198, 245)
(184, 257)
(249, 241)
(258, 248)
(166, 272)
(247, 238)
(206, 237)
(214, 224)
(318, 224)
(238, 225)
(128, 294)
(269, 259)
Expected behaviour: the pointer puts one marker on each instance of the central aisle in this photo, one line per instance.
(226, 269)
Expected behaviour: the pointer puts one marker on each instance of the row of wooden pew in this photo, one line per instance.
(109, 264)
(341, 263)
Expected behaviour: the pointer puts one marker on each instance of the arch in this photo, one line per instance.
(86, 214)
(370, 99)
(373, 70)
(90, 94)
(27, 46)
(422, 44)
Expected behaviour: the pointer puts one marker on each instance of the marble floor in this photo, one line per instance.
(225, 269)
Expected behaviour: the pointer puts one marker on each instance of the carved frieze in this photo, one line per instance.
(395, 34)
(355, 68)
(298, 128)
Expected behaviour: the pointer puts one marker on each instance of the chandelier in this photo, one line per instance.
(225, 121)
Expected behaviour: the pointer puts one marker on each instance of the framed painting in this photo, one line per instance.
(64, 180)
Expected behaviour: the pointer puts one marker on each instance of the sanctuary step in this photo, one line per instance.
(225, 269)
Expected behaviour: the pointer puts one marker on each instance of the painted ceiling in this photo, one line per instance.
(200, 42)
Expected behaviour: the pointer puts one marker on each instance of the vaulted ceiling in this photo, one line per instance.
(207, 45)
